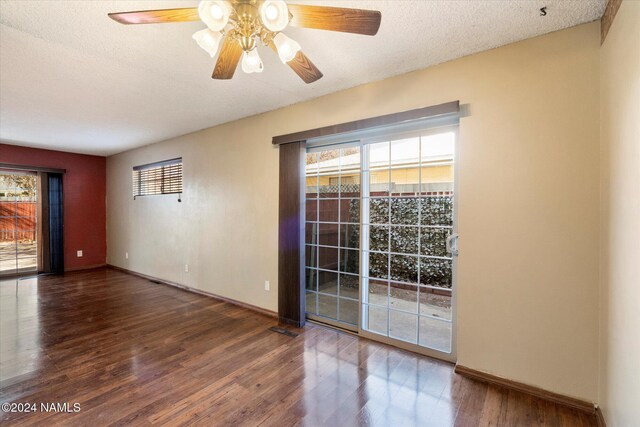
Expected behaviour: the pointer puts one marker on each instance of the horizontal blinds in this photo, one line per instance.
(158, 178)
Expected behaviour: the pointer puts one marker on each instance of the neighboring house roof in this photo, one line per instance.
(440, 147)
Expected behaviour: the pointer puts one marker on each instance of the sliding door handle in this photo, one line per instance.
(452, 244)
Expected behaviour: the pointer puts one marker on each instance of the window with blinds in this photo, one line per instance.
(158, 178)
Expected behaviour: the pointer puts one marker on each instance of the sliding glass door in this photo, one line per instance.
(408, 220)
(379, 235)
(18, 223)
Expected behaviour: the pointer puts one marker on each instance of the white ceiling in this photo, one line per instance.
(72, 79)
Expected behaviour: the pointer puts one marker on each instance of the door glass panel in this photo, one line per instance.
(312, 187)
(436, 210)
(404, 240)
(435, 334)
(329, 210)
(435, 303)
(350, 261)
(403, 297)
(435, 272)
(311, 279)
(311, 255)
(379, 183)
(328, 306)
(378, 265)
(403, 268)
(350, 236)
(350, 211)
(348, 311)
(407, 224)
(328, 258)
(18, 223)
(328, 282)
(379, 238)
(403, 326)
(377, 319)
(311, 210)
(311, 233)
(328, 173)
(328, 234)
(433, 241)
(311, 301)
(350, 184)
(311, 171)
(378, 292)
(337, 174)
(378, 210)
(404, 210)
(350, 286)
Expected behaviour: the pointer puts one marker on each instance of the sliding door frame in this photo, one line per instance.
(364, 194)
(291, 285)
(46, 248)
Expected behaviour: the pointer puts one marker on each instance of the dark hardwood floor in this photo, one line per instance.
(132, 352)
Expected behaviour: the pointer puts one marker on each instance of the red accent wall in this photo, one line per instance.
(85, 208)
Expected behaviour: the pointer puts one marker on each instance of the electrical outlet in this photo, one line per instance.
(267, 285)
(79, 253)
(186, 268)
(126, 255)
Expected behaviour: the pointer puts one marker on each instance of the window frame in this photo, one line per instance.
(175, 181)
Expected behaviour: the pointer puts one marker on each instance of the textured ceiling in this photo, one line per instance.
(72, 79)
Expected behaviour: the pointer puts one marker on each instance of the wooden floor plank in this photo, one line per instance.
(133, 352)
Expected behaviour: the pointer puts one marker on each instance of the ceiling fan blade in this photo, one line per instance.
(302, 66)
(228, 59)
(158, 16)
(358, 21)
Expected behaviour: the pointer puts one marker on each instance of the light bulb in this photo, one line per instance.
(274, 15)
(251, 62)
(287, 48)
(271, 12)
(214, 13)
(208, 40)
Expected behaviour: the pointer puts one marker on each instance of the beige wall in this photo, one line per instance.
(619, 381)
(528, 210)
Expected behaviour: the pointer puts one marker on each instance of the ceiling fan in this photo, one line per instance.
(240, 25)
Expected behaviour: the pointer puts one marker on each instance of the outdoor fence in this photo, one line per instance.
(18, 220)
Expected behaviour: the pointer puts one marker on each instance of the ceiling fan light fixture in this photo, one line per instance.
(274, 15)
(236, 27)
(251, 62)
(208, 40)
(214, 13)
(287, 47)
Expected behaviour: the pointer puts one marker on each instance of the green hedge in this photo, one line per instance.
(409, 211)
